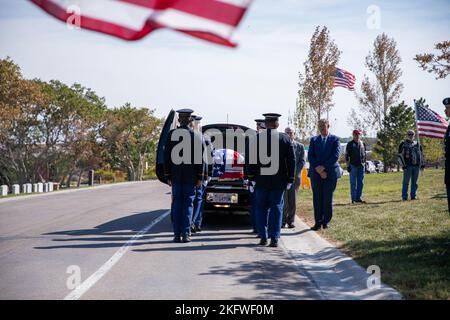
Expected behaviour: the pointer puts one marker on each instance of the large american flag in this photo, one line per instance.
(344, 79)
(211, 20)
(429, 123)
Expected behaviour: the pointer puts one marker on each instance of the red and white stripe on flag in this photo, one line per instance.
(211, 20)
(343, 78)
(429, 123)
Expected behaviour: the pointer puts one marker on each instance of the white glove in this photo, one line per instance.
(251, 186)
(289, 186)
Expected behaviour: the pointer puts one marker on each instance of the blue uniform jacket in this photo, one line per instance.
(326, 156)
(286, 158)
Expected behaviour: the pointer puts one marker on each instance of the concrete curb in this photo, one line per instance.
(103, 186)
(336, 275)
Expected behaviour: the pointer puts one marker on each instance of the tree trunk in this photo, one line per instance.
(79, 178)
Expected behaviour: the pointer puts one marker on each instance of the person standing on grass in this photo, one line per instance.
(290, 196)
(355, 158)
(446, 103)
(410, 157)
(324, 171)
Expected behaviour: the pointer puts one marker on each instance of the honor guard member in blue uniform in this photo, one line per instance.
(446, 103)
(324, 171)
(259, 126)
(183, 175)
(197, 216)
(270, 188)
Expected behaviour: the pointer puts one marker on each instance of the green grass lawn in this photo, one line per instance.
(409, 241)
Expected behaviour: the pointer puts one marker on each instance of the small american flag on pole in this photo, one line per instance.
(429, 123)
(210, 20)
(343, 78)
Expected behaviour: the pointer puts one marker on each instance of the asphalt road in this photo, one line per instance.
(115, 242)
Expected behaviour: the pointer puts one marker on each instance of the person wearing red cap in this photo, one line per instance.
(355, 157)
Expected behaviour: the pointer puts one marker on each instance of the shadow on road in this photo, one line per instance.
(273, 278)
(219, 226)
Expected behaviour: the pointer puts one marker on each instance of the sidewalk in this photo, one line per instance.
(336, 275)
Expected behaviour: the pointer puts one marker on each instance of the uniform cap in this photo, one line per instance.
(259, 121)
(197, 118)
(446, 101)
(186, 112)
(271, 116)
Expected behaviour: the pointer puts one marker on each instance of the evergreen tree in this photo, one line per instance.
(400, 119)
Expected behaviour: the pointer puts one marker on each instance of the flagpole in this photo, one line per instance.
(417, 130)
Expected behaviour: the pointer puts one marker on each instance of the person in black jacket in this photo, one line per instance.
(355, 158)
(183, 168)
(411, 159)
(446, 103)
(271, 175)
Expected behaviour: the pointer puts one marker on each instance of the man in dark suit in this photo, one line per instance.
(446, 103)
(324, 171)
(272, 174)
(290, 196)
(183, 173)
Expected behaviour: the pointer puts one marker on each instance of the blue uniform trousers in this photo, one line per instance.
(182, 207)
(323, 198)
(197, 216)
(269, 210)
(253, 210)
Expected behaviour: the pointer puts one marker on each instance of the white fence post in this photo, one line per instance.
(40, 187)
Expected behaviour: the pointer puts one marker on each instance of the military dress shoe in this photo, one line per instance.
(316, 227)
(274, 243)
(291, 226)
(186, 238)
(177, 239)
(263, 242)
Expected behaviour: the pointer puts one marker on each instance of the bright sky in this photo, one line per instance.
(170, 70)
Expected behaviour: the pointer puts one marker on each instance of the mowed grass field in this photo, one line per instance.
(409, 241)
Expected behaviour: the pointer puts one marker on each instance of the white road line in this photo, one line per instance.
(97, 275)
